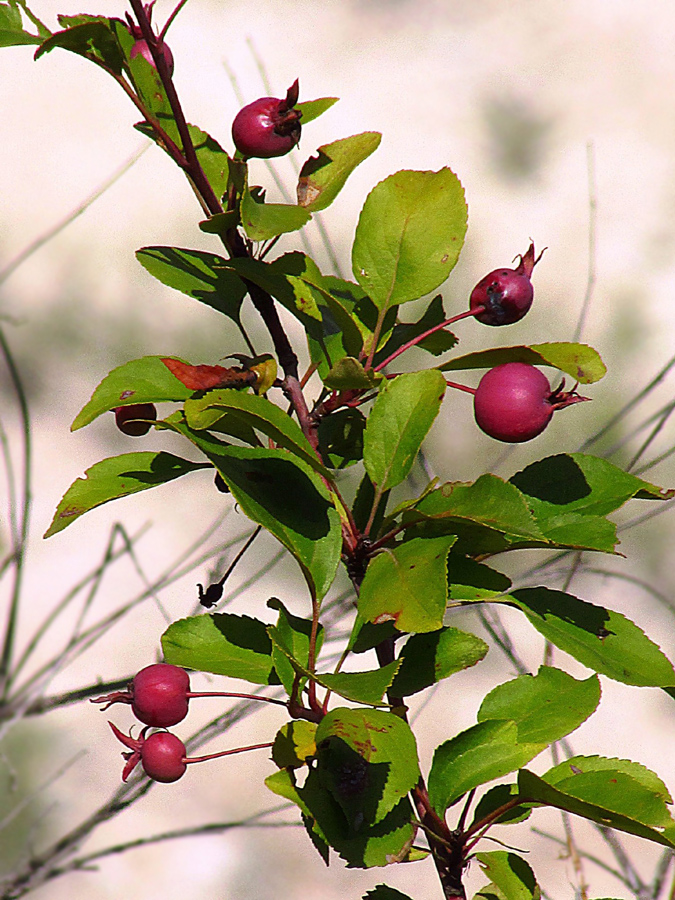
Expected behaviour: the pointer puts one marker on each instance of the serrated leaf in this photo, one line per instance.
(323, 176)
(224, 644)
(580, 361)
(294, 744)
(212, 158)
(545, 707)
(428, 658)
(512, 875)
(145, 380)
(118, 476)
(604, 640)
(95, 38)
(535, 789)
(587, 765)
(203, 276)
(407, 584)
(400, 419)
(476, 756)
(285, 496)
(259, 413)
(348, 374)
(262, 221)
(378, 749)
(409, 235)
(494, 799)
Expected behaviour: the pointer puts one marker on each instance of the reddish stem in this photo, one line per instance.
(194, 759)
(235, 694)
(460, 387)
(420, 337)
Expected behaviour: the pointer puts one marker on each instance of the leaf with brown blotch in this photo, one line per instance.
(203, 378)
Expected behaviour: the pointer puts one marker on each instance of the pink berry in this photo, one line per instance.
(163, 757)
(141, 48)
(505, 294)
(514, 402)
(160, 695)
(268, 127)
(134, 418)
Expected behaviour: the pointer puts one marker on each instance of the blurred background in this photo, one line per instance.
(557, 118)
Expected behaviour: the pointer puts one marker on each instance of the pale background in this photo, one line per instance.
(510, 95)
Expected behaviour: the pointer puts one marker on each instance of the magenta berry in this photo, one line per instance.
(140, 48)
(163, 757)
(268, 127)
(158, 695)
(505, 295)
(134, 419)
(514, 402)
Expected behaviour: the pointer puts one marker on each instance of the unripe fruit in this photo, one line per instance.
(514, 402)
(160, 695)
(141, 48)
(268, 127)
(129, 419)
(505, 295)
(163, 757)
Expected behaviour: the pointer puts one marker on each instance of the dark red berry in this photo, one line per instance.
(505, 295)
(268, 127)
(514, 402)
(160, 695)
(134, 419)
(163, 757)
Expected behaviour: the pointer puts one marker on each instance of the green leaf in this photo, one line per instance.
(360, 687)
(407, 585)
(11, 28)
(512, 875)
(262, 221)
(224, 644)
(258, 412)
(409, 235)
(579, 483)
(480, 754)
(535, 789)
(496, 505)
(145, 380)
(341, 438)
(381, 751)
(348, 374)
(471, 580)
(566, 777)
(95, 38)
(323, 176)
(285, 496)
(545, 706)
(116, 477)
(312, 109)
(580, 361)
(203, 276)
(293, 634)
(294, 744)
(400, 419)
(428, 658)
(494, 799)
(212, 158)
(384, 892)
(604, 640)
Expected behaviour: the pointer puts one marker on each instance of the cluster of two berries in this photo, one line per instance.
(159, 697)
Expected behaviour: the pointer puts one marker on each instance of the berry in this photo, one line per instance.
(268, 127)
(163, 757)
(158, 695)
(514, 402)
(505, 295)
(140, 48)
(133, 419)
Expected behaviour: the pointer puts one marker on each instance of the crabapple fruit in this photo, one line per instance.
(163, 757)
(505, 295)
(158, 695)
(514, 402)
(133, 419)
(140, 48)
(268, 127)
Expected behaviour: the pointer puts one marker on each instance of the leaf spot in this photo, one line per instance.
(126, 394)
